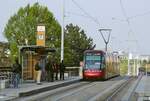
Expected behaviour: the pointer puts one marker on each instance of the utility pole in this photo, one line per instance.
(134, 69)
(62, 31)
(130, 57)
(129, 66)
(105, 40)
(137, 68)
(146, 69)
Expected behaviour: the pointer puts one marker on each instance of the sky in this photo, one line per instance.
(128, 19)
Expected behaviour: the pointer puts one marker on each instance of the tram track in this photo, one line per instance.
(125, 92)
(81, 91)
(113, 95)
(76, 91)
(84, 93)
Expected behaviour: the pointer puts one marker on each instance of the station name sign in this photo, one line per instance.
(41, 28)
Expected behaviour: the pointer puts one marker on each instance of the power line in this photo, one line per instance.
(124, 12)
(88, 15)
(81, 15)
(133, 17)
(128, 21)
(139, 15)
(77, 14)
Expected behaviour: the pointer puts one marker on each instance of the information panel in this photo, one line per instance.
(40, 35)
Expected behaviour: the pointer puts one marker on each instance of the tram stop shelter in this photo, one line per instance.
(28, 57)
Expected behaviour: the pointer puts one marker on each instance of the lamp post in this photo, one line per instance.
(62, 31)
(108, 38)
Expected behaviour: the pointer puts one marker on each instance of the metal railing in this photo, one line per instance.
(5, 79)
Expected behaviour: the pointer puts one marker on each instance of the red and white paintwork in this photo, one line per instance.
(106, 72)
(93, 74)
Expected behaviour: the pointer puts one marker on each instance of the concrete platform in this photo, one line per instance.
(143, 89)
(27, 89)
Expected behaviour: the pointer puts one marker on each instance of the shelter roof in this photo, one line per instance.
(37, 49)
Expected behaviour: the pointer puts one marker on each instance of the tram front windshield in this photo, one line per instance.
(93, 61)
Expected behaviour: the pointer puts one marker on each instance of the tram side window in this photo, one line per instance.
(102, 62)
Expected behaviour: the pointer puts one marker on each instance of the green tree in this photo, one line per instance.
(76, 42)
(21, 27)
(144, 61)
(4, 49)
(4, 54)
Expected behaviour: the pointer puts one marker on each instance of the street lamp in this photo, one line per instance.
(62, 31)
(105, 40)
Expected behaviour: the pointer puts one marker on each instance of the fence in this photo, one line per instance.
(74, 71)
(5, 77)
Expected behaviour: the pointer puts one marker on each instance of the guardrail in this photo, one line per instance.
(5, 78)
(74, 71)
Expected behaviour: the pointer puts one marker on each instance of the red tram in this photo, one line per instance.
(100, 65)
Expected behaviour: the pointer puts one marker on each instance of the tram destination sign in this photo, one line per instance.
(93, 53)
